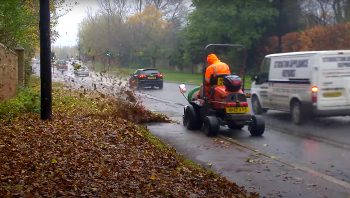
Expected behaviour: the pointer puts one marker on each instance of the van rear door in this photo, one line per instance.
(334, 82)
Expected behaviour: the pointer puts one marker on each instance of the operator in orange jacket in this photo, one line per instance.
(215, 66)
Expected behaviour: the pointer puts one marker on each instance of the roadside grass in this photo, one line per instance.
(170, 76)
(27, 100)
(94, 134)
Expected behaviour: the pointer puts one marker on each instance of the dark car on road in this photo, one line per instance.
(147, 77)
(62, 65)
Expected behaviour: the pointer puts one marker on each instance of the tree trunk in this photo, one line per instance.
(154, 62)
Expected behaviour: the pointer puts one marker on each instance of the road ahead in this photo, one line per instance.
(321, 145)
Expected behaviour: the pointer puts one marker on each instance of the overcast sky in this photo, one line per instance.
(68, 24)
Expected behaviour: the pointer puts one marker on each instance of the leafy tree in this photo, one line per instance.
(19, 24)
(219, 21)
(151, 33)
(13, 22)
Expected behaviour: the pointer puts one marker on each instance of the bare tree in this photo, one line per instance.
(325, 12)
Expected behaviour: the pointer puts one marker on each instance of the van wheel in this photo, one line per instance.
(297, 113)
(257, 110)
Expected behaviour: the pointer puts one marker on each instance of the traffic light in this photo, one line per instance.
(53, 55)
(107, 52)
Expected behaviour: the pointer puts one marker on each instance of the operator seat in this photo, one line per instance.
(214, 78)
(214, 82)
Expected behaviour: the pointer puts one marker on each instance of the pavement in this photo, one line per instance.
(287, 161)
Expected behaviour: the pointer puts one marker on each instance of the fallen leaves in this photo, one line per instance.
(222, 143)
(92, 147)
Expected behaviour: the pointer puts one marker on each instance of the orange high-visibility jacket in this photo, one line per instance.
(215, 67)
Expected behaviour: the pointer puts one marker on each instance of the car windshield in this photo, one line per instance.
(150, 72)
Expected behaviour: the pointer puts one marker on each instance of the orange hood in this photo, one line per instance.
(212, 58)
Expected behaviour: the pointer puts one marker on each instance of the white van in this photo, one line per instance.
(314, 83)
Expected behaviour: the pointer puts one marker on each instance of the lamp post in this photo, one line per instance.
(280, 8)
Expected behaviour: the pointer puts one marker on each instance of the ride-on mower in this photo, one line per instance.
(226, 105)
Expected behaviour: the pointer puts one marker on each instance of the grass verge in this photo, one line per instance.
(94, 147)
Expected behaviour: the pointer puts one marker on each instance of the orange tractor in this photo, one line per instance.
(226, 105)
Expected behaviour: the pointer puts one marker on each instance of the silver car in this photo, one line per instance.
(83, 71)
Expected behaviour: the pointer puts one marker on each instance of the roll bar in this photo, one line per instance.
(245, 53)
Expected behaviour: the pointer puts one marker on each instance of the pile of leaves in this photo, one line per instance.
(104, 106)
(92, 148)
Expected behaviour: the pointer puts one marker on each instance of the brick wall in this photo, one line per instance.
(8, 73)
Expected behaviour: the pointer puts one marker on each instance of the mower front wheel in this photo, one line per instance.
(211, 126)
(191, 119)
(256, 126)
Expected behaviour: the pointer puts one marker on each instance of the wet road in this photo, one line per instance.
(321, 145)
(332, 130)
(325, 167)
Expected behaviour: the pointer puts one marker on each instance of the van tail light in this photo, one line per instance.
(314, 94)
(142, 76)
(59, 64)
(160, 75)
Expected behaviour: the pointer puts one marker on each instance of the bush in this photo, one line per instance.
(26, 101)
(317, 38)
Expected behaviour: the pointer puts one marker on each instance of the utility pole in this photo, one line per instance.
(45, 61)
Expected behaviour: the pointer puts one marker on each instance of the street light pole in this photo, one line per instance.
(45, 61)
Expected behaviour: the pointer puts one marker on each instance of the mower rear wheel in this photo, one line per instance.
(211, 126)
(234, 126)
(257, 126)
(192, 120)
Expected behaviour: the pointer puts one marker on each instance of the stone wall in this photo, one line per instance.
(8, 73)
